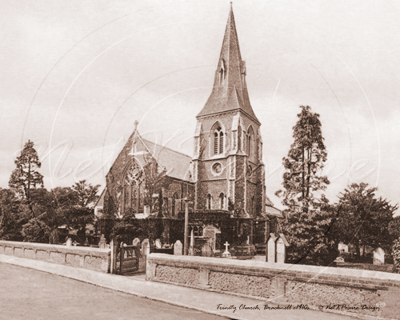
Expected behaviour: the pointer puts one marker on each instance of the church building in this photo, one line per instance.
(224, 181)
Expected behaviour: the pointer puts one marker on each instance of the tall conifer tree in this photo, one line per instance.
(307, 217)
(26, 177)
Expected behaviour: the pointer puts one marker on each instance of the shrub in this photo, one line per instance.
(396, 255)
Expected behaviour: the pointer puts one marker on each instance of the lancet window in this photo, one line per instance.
(133, 189)
(218, 140)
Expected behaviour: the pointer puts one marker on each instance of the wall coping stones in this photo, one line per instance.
(85, 257)
(285, 270)
(55, 247)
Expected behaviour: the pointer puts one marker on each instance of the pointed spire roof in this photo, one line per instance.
(230, 89)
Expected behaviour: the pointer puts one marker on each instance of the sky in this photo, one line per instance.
(76, 75)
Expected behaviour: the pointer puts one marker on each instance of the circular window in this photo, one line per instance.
(217, 168)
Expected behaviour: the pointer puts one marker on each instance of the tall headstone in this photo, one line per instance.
(281, 245)
(178, 248)
(211, 232)
(136, 242)
(378, 256)
(191, 247)
(271, 248)
(145, 247)
(206, 250)
(102, 242)
(69, 242)
(158, 244)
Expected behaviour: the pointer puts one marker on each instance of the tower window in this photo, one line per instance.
(218, 141)
(250, 138)
(239, 138)
(208, 202)
(221, 142)
(222, 72)
(221, 201)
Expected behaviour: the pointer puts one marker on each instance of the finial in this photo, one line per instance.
(231, 5)
(135, 124)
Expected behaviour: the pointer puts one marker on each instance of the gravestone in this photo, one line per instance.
(178, 248)
(206, 250)
(226, 253)
(69, 242)
(378, 256)
(212, 233)
(281, 245)
(136, 242)
(158, 244)
(191, 246)
(145, 247)
(343, 247)
(271, 248)
(102, 242)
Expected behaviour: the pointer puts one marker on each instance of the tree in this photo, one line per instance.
(394, 227)
(362, 219)
(307, 217)
(86, 193)
(25, 177)
(304, 164)
(11, 217)
(155, 179)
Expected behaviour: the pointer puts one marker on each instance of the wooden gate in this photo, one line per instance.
(127, 259)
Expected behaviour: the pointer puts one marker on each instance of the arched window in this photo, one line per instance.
(221, 142)
(221, 201)
(222, 71)
(208, 202)
(250, 137)
(218, 140)
(174, 206)
(132, 191)
(239, 138)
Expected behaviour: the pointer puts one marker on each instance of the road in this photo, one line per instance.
(31, 294)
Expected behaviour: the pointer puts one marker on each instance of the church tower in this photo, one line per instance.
(227, 162)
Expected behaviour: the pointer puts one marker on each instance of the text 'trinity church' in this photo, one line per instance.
(224, 180)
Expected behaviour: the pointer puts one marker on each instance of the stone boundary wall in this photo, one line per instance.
(80, 257)
(341, 290)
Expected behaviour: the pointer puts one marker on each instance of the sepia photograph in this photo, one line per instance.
(194, 159)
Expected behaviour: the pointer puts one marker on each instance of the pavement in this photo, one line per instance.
(225, 305)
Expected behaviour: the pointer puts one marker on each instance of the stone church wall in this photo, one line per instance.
(81, 257)
(352, 292)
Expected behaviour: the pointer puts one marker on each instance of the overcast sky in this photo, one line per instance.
(75, 75)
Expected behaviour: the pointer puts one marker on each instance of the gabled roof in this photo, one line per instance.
(230, 89)
(177, 164)
(272, 211)
(100, 200)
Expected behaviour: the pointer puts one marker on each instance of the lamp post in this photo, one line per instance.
(185, 240)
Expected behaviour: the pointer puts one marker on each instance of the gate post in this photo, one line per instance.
(114, 248)
(186, 232)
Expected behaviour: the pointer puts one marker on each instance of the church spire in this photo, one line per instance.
(230, 89)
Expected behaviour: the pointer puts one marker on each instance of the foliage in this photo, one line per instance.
(47, 211)
(36, 230)
(307, 217)
(25, 177)
(12, 215)
(362, 219)
(396, 255)
(86, 193)
(155, 179)
(304, 164)
(394, 227)
(124, 228)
